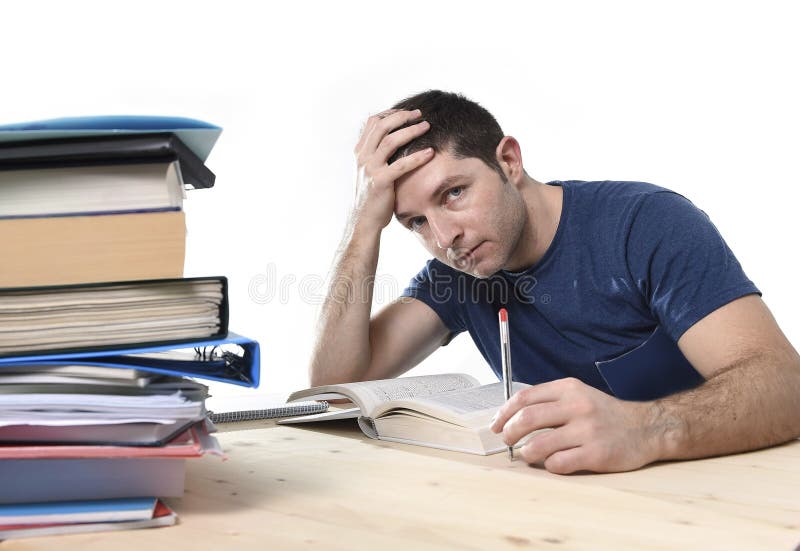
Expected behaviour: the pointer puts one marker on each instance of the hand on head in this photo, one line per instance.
(379, 140)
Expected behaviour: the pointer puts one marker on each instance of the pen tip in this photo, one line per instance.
(503, 314)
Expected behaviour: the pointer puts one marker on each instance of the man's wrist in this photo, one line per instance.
(362, 228)
(665, 431)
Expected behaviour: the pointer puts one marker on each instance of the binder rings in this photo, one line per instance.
(207, 359)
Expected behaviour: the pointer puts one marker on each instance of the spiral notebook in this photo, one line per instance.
(231, 414)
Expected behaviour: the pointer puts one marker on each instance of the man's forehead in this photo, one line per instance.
(431, 174)
(420, 184)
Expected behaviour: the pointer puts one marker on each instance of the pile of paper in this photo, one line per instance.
(99, 330)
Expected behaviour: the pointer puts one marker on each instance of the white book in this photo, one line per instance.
(78, 413)
(91, 189)
(450, 412)
(77, 370)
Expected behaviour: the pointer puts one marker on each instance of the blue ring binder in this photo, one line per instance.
(241, 370)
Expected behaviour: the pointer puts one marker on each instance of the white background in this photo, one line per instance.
(698, 97)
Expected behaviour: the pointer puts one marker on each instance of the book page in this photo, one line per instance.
(465, 407)
(375, 393)
(368, 395)
(330, 415)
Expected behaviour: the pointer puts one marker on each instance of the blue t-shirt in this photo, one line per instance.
(630, 264)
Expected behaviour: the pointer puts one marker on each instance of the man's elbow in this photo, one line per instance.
(321, 372)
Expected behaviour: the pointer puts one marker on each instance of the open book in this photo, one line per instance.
(449, 412)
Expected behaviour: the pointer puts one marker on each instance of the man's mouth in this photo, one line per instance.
(463, 258)
(473, 249)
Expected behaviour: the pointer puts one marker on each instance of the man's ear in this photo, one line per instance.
(509, 158)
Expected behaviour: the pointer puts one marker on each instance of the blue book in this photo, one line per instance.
(97, 510)
(199, 136)
(162, 516)
(231, 359)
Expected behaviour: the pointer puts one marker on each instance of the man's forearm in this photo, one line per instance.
(748, 406)
(342, 350)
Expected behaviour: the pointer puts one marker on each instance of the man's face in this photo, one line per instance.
(464, 213)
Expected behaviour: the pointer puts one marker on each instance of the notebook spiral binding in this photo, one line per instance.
(287, 410)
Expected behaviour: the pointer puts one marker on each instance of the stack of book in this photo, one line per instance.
(101, 335)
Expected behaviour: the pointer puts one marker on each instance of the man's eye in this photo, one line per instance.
(452, 193)
(416, 223)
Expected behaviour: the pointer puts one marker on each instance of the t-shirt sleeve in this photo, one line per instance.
(435, 285)
(680, 262)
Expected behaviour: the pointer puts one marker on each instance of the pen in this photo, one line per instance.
(505, 352)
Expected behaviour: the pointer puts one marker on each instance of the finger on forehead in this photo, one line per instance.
(394, 118)
(410, 162)
(367, 128)
(386, 113)
(385, 126)
(370, 123)
(394, 140)
(372, 120)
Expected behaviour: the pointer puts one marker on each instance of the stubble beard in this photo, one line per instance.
(508, 241)
(521, 222)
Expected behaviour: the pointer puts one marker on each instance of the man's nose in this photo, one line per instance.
(445, 231)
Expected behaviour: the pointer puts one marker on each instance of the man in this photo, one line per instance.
(639, 331)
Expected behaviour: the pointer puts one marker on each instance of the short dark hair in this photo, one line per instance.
(458, 125)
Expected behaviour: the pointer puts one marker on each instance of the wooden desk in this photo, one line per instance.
(332, 488)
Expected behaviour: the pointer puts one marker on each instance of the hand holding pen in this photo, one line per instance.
(505, 349)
